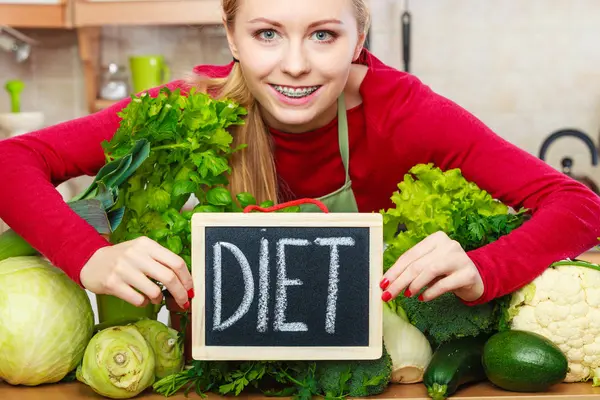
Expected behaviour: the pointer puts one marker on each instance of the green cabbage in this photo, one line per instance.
(46, 322)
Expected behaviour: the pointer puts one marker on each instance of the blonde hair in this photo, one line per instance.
(253, 168)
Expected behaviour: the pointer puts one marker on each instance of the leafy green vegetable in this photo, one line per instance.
(189, 154)
(431, 200)
(298, 379)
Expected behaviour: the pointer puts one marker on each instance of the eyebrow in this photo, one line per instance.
(316, 23)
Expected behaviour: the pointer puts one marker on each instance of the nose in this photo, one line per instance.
(294, 61)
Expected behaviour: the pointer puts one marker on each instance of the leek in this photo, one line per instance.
(13, 245)
(96, 204)
(408, 347)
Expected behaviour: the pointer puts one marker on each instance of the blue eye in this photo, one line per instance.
(323, 36)
(267, 35)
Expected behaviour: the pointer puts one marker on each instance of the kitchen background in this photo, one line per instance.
(526, 68)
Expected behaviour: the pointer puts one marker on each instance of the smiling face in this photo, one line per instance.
(296, 57)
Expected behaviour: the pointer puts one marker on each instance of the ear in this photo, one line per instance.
(359, 46)
(230, 40)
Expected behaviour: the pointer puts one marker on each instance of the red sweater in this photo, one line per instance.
(400, 123)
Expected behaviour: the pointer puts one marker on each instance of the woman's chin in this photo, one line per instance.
(296, 121)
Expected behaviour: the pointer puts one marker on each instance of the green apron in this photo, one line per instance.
(342, 200)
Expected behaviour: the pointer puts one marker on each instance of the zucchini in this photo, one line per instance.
(522, 361)
(453, 364)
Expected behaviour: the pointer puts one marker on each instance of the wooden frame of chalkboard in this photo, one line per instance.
(343, 313)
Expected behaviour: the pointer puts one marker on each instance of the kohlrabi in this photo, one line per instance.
(118, 363)
(168, 353)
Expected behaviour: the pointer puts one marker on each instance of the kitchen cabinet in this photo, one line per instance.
(146, 12)
(36, 13)
(77, 13)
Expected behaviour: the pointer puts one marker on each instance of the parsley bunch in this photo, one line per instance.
(301, 380)
(190, 148)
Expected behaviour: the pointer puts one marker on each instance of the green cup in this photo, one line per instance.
(148, 71)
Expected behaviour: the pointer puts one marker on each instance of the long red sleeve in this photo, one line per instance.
(401, 123)
(32, 165)
(566, 214)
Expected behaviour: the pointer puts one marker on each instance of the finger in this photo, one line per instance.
(434, 269)
(405, 279)
(419, 250)
(127, 293)
(172, 261)
(450, 283)
(168, 278)
(138, 280)
(435, 280)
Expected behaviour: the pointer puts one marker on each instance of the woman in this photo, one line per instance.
(345, 129)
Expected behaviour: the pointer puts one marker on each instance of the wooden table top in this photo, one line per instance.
(482, 391)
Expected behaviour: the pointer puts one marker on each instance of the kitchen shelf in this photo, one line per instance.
(592, 256)
(148, 12)
(37, 15)
(100, 104)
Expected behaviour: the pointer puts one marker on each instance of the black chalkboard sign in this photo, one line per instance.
(279, 286)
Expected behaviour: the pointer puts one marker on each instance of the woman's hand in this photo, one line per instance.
(437, 262)
(121, 269)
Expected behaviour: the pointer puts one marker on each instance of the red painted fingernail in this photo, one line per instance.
(186, 305)
(191, 293)
(386, 296)
(420, 297)
(407, 293)
(384, 283)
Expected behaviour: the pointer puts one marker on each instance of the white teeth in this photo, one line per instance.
(297, 92)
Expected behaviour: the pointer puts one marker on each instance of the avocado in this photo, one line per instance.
(522, 361)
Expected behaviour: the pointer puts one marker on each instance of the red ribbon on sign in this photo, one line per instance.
(276, 207)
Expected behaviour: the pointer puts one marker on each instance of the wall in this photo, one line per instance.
(526, 68)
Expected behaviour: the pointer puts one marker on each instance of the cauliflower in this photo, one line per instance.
(563, 304)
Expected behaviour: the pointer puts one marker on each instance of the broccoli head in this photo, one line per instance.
(447, 317)
(354, 378)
